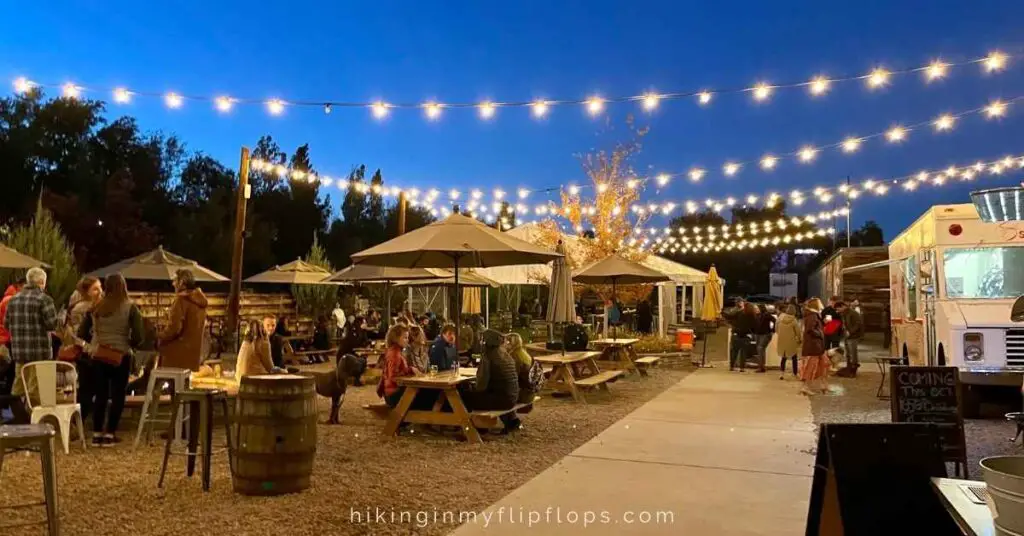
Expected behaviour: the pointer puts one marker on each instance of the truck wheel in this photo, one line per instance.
(971, 402)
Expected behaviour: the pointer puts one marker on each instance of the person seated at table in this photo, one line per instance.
(442, 350)
(416, 351)
(497, 381)
(395, 366)
(321, 339)
(467, 339)
(277, 341)
(374, 325)
(531, 374)
(354, 339)
(254, 355)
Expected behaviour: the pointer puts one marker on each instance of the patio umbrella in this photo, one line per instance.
(561, 306)
(467, 278)
(712, 307)
(9, 258)
(385, 275)
(297, 272)
(453, 242)
(471, 301)
(614, 269)
(158, 265)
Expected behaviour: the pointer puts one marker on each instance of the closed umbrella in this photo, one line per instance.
(297, 272)
(9, 258)
(453, 242)
(614, 269)
(712, 308)
(159, 265)
(561, 305)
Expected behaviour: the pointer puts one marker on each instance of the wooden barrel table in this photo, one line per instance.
(275, 434)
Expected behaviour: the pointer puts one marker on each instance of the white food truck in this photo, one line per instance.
(952, 280)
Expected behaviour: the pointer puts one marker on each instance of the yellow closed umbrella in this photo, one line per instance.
(471, 301)
(712, 308)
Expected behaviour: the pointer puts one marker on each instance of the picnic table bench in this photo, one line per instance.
(575, 372)
(618, 352)
(644, 363)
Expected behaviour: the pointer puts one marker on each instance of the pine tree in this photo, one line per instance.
(316, 300)
(43, 239)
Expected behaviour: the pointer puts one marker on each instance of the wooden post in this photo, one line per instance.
(234, 297)
(401, 213)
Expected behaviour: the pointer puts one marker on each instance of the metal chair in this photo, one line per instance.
(44, 389)
(151, 404)
(34, 437)
(200, 434)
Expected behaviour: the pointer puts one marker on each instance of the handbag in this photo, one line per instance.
(108, 354)
(69, 353)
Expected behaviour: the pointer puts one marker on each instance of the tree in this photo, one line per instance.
(43, 239)
(316, 300)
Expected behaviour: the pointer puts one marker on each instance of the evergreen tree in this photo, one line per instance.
(43, 239)
(316, 300)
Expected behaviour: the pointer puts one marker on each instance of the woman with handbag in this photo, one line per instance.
(87, 294)
(815, 366)
(113, 329)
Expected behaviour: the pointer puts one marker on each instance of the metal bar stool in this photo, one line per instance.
(34, 437)
(200, 433)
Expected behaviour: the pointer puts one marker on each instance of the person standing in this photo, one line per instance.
(114, 328)
(644, 317)
(181, 341)
(743, 322)
(763, 331)
(339, 320)
(85, 298)
(30, 318)
(6, 362)
(853, 326)
(833, 324)
(814, 369)
(790, 336)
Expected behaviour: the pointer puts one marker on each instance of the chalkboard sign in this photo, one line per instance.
(932, 395)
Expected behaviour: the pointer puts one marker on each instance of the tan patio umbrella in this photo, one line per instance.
(561, 305)
(159, 265)
(297, 272)
(467, 278)
(10, 258)
(453, 242)
(384, 275)
(614, 269)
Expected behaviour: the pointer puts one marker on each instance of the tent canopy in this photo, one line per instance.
(540, 274)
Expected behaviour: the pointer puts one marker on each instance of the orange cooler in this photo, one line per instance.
(684, 339)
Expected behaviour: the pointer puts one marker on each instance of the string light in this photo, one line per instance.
(487, 110)
(379, 109)
(651, 101)
(540, 108)
(71, 91)
(936, 70)
(433, 110)
(768, 162)
(712, 244)
(696, 174)
(761, 91)
(944, 122)
(808, 153)
(663, 179)
(878, 78)
(851, 145)
(730, 168)
(173, 100)
(275, 106)
(819, 85)
(896, 134)
(995, 61)
(996, 109)
(595, 105)
(22, 85)
(223, 104)
(704, 97)
(122, 95)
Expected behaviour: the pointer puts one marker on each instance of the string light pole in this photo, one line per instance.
(235, 294)
(849, 202)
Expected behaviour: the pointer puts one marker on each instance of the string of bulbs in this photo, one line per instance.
(730, 245)
(761, 91)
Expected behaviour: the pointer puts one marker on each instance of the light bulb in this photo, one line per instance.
(769, 162)
(631, 184)
(878, 78)
(663, 179)
(122, 95)
(71, 91)
(819, 85)
(22, 85)
(696, 174)
(487, 110)
(651, 101)
(996, 108)
(432, 109)
(807, 154)
(275, 106)
(173, 100)
(995, 61)
(896, 134)
(539, 108)
(730, 168)
(379, 109)
(851, 145)
(523, 193)
(223, 104)
(936, 70)
(704, 97)
(453, 193)
(573, 189)
(595, 105)
(944, 122)
(761, 91)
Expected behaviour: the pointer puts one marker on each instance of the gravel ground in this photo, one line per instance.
(854, 401)
(113, 491)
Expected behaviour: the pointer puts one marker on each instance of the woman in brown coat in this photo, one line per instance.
(814, 369)
(181, 341)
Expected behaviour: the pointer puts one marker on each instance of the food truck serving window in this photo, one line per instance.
(993, 272)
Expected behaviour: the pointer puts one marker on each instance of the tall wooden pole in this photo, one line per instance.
(235, 295)
(401, 213)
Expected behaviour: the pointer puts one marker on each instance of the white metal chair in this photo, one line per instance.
(45, 373)
(151, 404)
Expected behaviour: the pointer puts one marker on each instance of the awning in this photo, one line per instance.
(872, 265)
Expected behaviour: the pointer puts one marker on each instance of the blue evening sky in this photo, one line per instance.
(467, 51)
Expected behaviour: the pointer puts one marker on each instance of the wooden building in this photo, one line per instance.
(870, 287)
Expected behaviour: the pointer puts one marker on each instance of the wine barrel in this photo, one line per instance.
(275, 434)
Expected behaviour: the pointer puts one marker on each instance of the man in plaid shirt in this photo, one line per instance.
(30, 318)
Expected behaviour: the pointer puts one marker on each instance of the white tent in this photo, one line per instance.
(686, 281)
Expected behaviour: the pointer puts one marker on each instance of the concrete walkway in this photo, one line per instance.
(725, 453)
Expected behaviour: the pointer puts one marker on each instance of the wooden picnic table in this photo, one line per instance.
(447, 384)
(573, 372)
(618, 351)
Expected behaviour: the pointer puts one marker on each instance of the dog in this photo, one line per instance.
(836, 357)
(334, 384)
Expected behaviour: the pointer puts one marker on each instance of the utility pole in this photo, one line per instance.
(234, 297)
(401, 213)
(849, 202)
